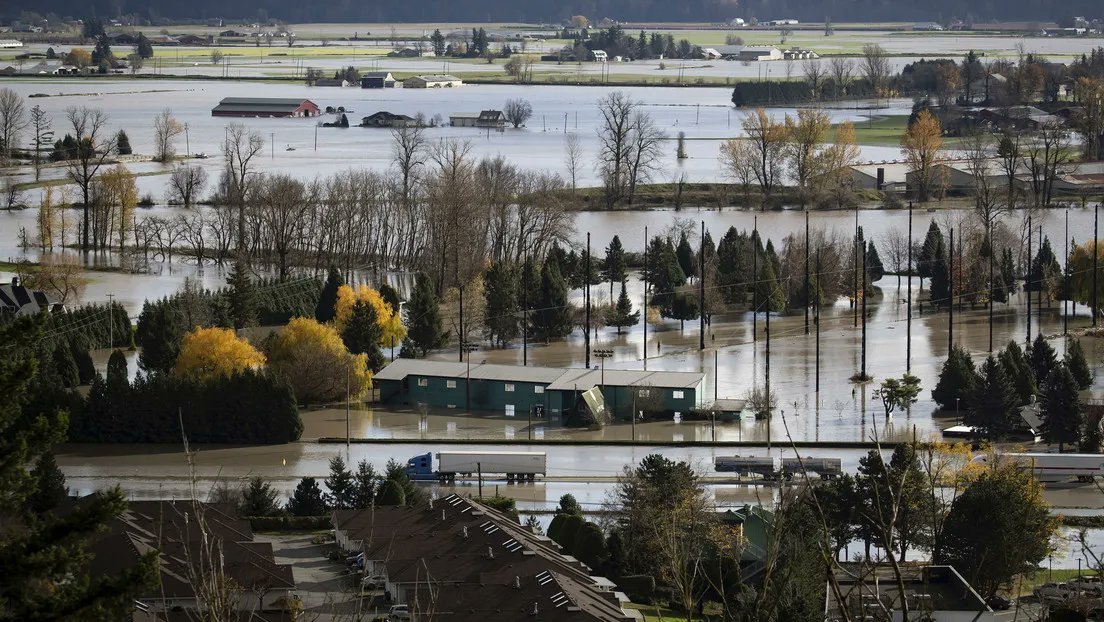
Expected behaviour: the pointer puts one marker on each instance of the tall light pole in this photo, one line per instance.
(602, 354)
(468, 348)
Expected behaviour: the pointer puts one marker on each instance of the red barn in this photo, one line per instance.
(265, 107)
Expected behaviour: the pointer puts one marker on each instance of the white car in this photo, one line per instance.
(1092, 584)
(398, 612)
(372, 582)
(1053, 591)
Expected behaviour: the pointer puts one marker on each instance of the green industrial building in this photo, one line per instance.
(515, 390)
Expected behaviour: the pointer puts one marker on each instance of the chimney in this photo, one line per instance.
(881, 178)
(15, 281)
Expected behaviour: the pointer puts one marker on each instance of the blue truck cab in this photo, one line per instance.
(420, 467)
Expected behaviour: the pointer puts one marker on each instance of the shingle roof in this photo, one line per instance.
(260, 104)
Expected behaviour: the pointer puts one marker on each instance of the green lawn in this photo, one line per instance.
(881, 131)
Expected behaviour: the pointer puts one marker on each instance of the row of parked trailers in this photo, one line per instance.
(777, 468)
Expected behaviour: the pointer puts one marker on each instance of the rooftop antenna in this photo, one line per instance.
(517, 582)
(465, 531)
(490, 553)
(442, 514)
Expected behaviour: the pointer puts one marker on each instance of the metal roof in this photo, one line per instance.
(438, 78)
(555, 377)
(263, 101)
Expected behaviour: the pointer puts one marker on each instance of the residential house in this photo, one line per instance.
(16, 300)
(193, 40)
(10, 43)
(432, 82)
(599, 56)
(232, 34)
(377, 80)
(929, 26)
(387, 119)
(122, 38)
(405, 53)
(265, 107)
(331, 82)
(493, 119)
(1019, 117)
(184, 533)
(747, 53)
(959, 176)
(464, 561)
(541, 391)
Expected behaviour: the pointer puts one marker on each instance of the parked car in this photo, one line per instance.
(398, 612)
(1052, 591)
(1092, 584)
(372, 582)
(997, 602)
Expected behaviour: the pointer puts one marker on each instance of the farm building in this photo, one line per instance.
(377, 80)
(518, 391)
(879, 176)
(487, 118)
(388, 119)
(265, 107)
(432, 82)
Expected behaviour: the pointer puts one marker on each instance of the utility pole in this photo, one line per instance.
(701, 289)
(950, 295)
(817, 321)
(462, 344)
(525, 313)
(855, 274)
(754, 280)
(645, 322)
(864, 292)
(1096, 221)
(766, 379)
(1027, 280)
(586, 301)
(347, 400)
(1066, 280)
(992, 250)
(272, 145)
(479, 471)
(187, 142)
(1039, 298)
(806, 271)
(908, 303)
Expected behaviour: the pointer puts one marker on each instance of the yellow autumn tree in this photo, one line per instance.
(392, 330)
(113, 215)
(211, 352)
(313, 359)
(921, 145)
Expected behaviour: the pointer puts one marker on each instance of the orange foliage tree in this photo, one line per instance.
(211, 352)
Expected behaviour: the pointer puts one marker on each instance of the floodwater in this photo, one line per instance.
(704, 115)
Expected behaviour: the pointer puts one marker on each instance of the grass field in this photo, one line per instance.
(883, 131)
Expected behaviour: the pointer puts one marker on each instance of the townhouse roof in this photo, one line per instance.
(555, 378)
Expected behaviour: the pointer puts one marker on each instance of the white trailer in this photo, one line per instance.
(1054, 467)
(515, 465)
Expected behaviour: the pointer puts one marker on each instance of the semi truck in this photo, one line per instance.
(1051, 468)
(446, 465)
(779, 468)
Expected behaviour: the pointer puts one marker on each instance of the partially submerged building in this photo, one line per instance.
(265, 107)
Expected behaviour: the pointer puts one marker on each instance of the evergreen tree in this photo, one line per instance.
(1045, 275)
(117, 371)
(258, 498)
(86, 369)
(242, 297)
(307, 500)
(1042, 359)
(423, 312)
(122, 144)
(622, 313)
(341, 485)
(365, 484)
(616, 266)
(666, 278)
(327, 302)
(102, 56)
(49, 482)
(1078, 366)
(1018, 371)
(770, 295)
(500, 292)
(391, 493)
(390, 295)
(362, 334)
(957, 380)
(552, 314)
(1004, 279)
(1063, 413)
(684, 307)
(143, 48)
(396, 471)
(934, 248)
(874, 268)
(732, 267)
(43, 557)
(66, 368)
(687, 258)
(994, 404)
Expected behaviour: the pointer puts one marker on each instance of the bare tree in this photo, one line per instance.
(647, 139)
(573, 156)
(13, 118)
(62, 276)
(238, 150)
(281, 203)
(1045, 158)
(767, 138)
(185, 184)
(815, 73)
(517, 111)
(40, 124)
(614, 143)
(841, 69)
(10, 195)
(875, 66)
(165, 129)
(93, 148)
(895, 243)
(980, 162)
(739, 163)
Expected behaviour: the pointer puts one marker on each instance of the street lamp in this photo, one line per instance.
(603, 354)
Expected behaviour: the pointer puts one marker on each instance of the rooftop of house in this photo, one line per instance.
(555, 378)
(438, 78)
(481, 565)
(377, 74)
(17, 299)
